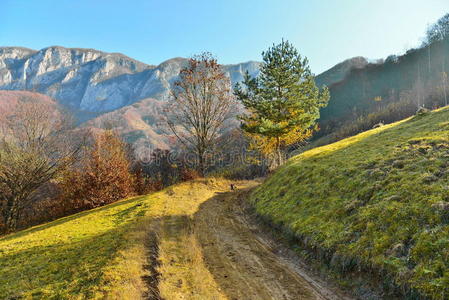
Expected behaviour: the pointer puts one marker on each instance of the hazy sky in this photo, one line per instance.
(326, 31)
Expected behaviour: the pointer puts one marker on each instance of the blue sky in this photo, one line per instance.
(326, 31)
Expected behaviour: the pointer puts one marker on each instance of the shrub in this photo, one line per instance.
(188, 174)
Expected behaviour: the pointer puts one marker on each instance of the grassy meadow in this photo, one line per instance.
(75, 257)
(102, 253)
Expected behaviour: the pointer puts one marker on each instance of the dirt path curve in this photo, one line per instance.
(204, 246)
(244, 261)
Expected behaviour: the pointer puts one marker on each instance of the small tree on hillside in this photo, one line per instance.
(443, 86)
(283, 102)
(202, 101)
(36, 144)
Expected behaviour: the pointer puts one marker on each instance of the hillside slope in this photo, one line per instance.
(338, 72)
(9, 100)
(377, 203)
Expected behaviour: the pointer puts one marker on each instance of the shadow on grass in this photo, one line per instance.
(61, 270)
(63, 220)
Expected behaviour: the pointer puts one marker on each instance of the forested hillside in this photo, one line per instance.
(388, 90)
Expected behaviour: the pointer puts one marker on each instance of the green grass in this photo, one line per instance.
(70, 257)
(102, 253)
(377, 201)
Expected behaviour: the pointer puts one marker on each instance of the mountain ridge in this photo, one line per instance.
(92, 80)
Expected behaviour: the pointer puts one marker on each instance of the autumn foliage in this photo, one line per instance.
(103, 177)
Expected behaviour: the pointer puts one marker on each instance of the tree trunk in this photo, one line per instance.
(12, 216)
(279, 151)
(445, 96)
(201, 162)
(444, 82)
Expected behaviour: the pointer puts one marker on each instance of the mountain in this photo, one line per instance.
(93, 82)
(338, 72)
(373, 208)
(103, 89)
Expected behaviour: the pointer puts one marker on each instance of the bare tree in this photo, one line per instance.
(418, 88)
(36, 143)
(443, 86)
(439, 30)
(202, 100)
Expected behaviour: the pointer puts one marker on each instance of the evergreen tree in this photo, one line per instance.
(283, 102)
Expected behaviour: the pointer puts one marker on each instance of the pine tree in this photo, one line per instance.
(283, 102)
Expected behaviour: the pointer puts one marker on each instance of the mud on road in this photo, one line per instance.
(244, 261)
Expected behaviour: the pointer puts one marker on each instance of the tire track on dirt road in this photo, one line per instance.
(247, 264)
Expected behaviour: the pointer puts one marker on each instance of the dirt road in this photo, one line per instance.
(216, 251)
